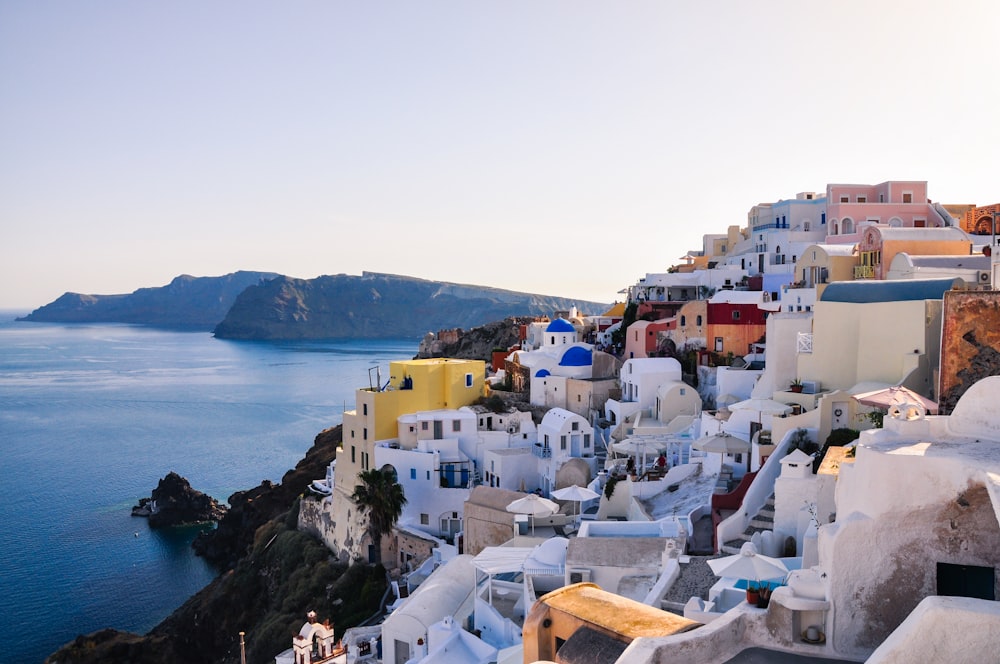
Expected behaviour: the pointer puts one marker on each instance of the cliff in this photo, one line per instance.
(272, 574)
(376, 306)
(187, 302)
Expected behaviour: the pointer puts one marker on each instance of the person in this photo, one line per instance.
(630, 466)
(661, 461)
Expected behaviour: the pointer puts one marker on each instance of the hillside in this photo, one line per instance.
(187, 302)
(376, 306)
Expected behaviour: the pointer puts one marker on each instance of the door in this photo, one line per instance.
(840, 419)
(402, 652)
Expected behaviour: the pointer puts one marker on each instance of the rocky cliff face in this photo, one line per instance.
(271, 575)
(375, 306)
(187, 303)
(475, 344)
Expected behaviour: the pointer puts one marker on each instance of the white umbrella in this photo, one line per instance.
(533, 505)
(763, 406)
(637, 446)
(896, 395)
(748, 564)
(722, 443)
(575, 493)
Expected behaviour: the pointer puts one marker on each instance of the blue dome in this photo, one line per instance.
(542, 373)
(560, 325)
(577, 356)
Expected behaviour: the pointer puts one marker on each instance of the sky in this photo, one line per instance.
(564, 148)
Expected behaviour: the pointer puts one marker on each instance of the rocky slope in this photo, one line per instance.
(271, 575)
(186, 303)
(376, 306)
(475, 344)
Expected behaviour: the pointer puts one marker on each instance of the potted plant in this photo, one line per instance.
(764, 596)
(795, 385)
(753, 592)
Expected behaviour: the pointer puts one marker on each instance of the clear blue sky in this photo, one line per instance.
(562, 148)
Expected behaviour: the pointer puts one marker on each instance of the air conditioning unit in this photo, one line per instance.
(811, 387)
(579, 575)
(983, 276)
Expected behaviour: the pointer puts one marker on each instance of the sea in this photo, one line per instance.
(93, 415)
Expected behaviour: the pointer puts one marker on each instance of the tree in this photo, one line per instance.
(381, 497)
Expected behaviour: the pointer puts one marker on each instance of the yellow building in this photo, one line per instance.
(412, 386)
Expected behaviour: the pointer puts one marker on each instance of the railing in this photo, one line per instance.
(864, 271)
(541, 452)
(804, 342)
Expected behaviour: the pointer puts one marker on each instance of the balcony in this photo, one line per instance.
(864, 271)
(541, 452)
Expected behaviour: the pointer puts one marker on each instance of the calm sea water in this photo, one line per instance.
(92, 416)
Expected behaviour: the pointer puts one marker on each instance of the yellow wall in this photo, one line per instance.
(437, 383)
(853, 343)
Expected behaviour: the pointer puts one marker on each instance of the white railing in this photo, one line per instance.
(804, 342)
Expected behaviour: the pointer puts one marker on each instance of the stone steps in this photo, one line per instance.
(760, 522)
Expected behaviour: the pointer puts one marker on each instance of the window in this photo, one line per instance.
(822, 218)
(456, 425)
(546, 440)
(413, 473)
(683, 391)
(586, 441)
(578, 398)
(354, 457)
(364, 435)
(736, 315)
(562, 442)
(919, 223)
(698, 320)
(907, 197)
(428, 474)
(352, 433)
(862, 199)
(424, 426)
(683, 321)
(575, 426)
(844, 199)
(364, 409)
(424, 519)
(468, 380)
(881, 198)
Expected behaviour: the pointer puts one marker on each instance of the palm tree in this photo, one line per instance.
(381, 497)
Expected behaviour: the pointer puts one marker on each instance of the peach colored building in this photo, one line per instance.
(879, 245)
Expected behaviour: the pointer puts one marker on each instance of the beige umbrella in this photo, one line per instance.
(762, 406)
(533, 505)
(722, 443)
(896, 396)
(576, 493)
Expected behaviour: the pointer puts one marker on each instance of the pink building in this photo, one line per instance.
(895, 204)
(641, 336)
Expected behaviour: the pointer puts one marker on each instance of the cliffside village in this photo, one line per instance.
(792, 452)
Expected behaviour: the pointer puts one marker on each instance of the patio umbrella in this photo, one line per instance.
(762, 406)
(636, 446)
(575, 493)
(722, 443)
(533, 505)
(748, 564)
(896, 395)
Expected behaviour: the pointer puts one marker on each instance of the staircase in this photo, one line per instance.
(763, 520)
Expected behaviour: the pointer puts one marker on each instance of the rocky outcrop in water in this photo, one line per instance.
(173, 503)
(271, 574)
